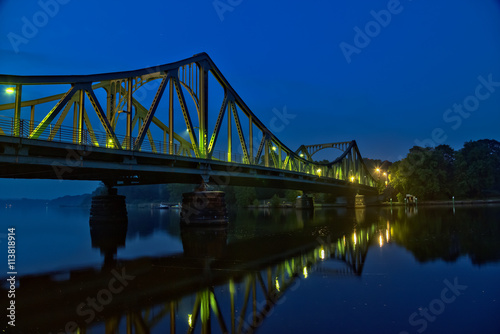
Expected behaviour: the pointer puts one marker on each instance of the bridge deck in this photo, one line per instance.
(37, 159)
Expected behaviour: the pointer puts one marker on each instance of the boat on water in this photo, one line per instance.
(169, 206)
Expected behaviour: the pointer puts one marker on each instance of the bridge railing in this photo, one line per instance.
(339, 170)
(65, 134)
(70, 135)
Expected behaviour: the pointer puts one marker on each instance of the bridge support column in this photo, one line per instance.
(203, 207)
(108, 223)
(304, 202)
(359, 201)
(204, 242)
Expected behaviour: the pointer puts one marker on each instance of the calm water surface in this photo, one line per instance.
(374, 270)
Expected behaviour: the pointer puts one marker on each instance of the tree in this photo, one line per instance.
(145, 193)
(275, 201)
(425, 172)
(175, 191)
(478, 168)
(440, 172)
(245, 195)
(445, 157)
(291, 195)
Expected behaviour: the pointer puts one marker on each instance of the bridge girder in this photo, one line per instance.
(158, 117)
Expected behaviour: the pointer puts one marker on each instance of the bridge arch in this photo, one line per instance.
(310, 150)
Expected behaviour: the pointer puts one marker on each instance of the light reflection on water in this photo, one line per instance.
(333, 270)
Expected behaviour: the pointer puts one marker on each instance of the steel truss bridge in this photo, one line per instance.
(178, 122)
(234, 291)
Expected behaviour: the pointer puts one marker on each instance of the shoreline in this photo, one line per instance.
(445, 202)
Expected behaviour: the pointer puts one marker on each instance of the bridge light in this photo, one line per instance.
(318, 171)
(274, 148)
(10, 90)
(322, 254)
(377, 170)
(304, 271)
(277, 284)
(301, 155)
(352, 178)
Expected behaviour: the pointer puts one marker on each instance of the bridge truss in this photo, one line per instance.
(163, 110)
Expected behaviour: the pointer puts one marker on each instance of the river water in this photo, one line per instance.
(336, 270)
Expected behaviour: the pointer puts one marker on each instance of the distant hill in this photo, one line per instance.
(23, 203)
(77, 200)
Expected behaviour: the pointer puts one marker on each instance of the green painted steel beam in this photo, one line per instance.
(54, 112)
(147, 121)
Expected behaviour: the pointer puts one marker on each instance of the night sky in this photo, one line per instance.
(389, 74)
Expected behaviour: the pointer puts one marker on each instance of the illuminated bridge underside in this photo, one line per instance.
(139, 126)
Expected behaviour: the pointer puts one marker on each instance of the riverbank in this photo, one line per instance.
(447, 202)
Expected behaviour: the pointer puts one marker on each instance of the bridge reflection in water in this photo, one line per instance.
(214, 285)
(251, 275)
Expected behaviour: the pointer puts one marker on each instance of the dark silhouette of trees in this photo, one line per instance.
(441, 172)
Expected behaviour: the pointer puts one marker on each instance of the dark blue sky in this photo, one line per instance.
(390, 74)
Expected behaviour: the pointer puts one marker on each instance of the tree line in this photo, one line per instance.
(436, 173)
(235, 196)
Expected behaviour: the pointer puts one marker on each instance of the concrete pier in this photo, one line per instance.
(304, 202)
(204, 208)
